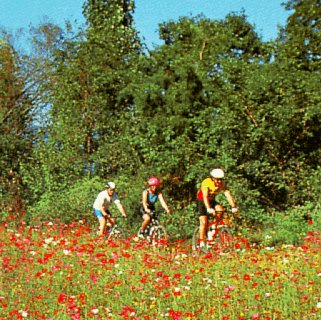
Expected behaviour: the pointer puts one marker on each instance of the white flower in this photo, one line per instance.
(319, 305)
(94, 311)
(23, 313)
(66, 252)
(48, 240)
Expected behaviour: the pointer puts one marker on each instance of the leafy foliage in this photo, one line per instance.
(15, 127)
(213, 94)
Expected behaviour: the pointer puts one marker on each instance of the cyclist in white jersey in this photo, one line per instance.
(101, 207)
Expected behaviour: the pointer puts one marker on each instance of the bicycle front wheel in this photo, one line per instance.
(225, 241)
(116, 234)
(158, 236)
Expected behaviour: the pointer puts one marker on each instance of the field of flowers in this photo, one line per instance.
(55, 271)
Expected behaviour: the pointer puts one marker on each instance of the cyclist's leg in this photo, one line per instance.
(203, 226)
(146, 220)
(102, 221)
(110, 220)
(203, 219)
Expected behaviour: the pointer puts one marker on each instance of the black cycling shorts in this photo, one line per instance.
(142, 210)
(201, 209)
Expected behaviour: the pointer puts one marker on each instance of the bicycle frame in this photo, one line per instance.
(153, 219)
(114, 232)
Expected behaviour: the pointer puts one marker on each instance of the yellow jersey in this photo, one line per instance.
(213, 190)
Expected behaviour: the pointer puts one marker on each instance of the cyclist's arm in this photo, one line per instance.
(145, 204)
(163, 202)
(121, 208)
(230, 198)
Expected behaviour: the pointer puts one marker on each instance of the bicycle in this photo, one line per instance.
(110, 233)
(218, 234)
(115, 233)
(155, 233)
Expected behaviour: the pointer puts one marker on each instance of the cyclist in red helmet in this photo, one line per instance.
(207, 204)
(150, 197)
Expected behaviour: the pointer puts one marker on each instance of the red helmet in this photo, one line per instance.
(153, 181)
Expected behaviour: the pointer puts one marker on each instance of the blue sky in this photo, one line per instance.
(266, 15)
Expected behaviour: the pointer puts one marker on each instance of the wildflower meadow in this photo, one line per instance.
(57, 271)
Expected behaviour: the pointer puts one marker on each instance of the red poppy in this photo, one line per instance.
(62, 297)
(246, 277)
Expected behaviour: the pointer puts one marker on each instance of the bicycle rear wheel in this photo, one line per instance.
(196, 239)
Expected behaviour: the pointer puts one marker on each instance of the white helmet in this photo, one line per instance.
(217, 173)
(110, 185)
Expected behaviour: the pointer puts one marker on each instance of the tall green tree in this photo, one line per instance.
(54, 163)
(111, 53)
(298, 59)
(182, 100)
(15, 127)
(86, 71)
(300, 38)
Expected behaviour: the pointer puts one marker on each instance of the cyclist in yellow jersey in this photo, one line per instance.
(207, 204)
